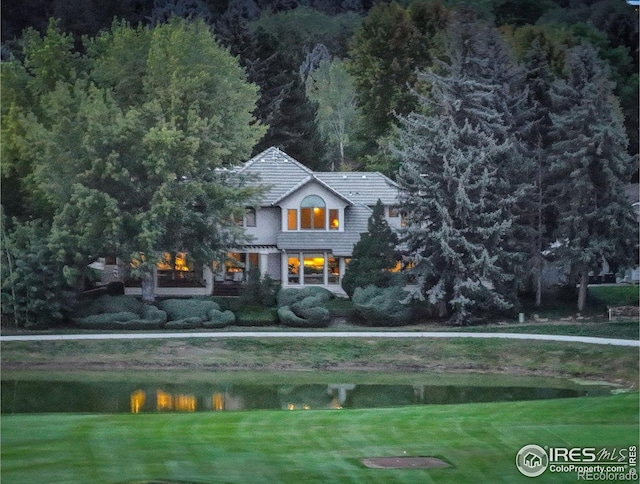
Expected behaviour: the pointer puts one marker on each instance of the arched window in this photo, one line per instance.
(313, 213)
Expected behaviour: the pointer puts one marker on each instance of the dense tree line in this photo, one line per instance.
(510, 128)
(501, 164)
(383, 44)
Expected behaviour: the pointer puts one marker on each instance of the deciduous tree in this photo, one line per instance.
(331, 88)
(136, 147)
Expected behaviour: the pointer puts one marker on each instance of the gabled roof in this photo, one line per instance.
(282, 175)
(362, 187)
(277, 171)
(309, 179)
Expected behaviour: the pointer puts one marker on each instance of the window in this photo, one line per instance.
(394, 212)
(292, 219)
(334, 269)
(314, 268)
(177, 269)
(334, 222)
(250, 217)
(312, 213)
(293, 264)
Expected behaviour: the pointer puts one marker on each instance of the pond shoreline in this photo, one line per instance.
(595, 363)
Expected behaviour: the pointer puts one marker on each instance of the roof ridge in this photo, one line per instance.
(364, 173)
(274, 153)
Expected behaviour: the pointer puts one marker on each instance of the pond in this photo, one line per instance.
(144, 396)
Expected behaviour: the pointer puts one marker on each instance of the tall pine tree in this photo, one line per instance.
(590, 166)
(374, 256)
(457, 176)
(534, 225)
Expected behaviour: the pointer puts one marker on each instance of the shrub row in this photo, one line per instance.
(125, 312)
(303, 308)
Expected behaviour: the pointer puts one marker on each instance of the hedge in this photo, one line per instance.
(118, 312)
(195, 313)
(109, 304)
(286, 297)
(382, 306)
(304, 308)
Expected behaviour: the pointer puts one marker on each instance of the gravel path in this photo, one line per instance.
(328, 334)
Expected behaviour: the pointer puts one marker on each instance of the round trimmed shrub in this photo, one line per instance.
(314, 317)
(154, 315)
(287, 297)
(289, 318)
(219, 319)
(178, 309)
(185, 323)
(105, 319)
(109, 304)
(380, 306)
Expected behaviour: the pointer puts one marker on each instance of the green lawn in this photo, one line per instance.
(619, 295)
(480, 442)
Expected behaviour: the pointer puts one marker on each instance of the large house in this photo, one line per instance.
(301, 233)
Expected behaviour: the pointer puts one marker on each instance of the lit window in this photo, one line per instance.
(334, 269)
(293, 264)
(312, 213)
(334, 222)
(292, 219)
(314, 269)
(394, 212)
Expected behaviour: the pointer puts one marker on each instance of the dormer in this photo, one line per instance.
(313, 207)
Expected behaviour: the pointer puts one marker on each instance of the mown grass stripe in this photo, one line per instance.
(479, 440)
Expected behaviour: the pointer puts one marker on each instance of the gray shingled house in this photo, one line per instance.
(301, 233)
(304, 229)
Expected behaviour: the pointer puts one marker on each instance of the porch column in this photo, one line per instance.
(284, 268)
(343, 266)
(325, 269)
(263, 263)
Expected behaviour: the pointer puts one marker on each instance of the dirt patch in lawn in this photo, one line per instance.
(405, 463)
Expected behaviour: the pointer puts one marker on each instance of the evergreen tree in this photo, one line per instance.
(374, 256)
(457, 176)
(535, 223)
(590, 166)
(34, 292)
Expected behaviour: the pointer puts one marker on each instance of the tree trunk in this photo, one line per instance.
(14, 298)
(582, 289)
(537, 278)
(149, 287)
(540, 229)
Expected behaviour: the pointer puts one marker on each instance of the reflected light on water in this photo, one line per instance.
(19, 396)
(137, 401)
(217, 401)
(181, 403)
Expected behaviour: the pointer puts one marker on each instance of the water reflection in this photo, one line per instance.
(26, 396)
